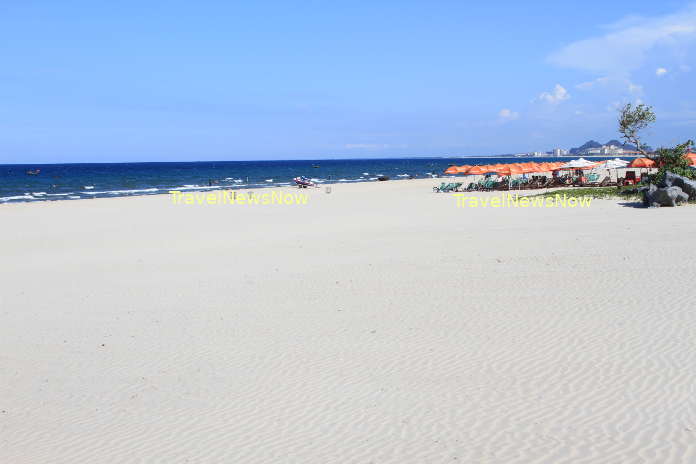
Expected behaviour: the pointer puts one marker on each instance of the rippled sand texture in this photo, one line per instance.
(377, 324)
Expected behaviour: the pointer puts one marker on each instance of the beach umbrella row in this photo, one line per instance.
(503, 168)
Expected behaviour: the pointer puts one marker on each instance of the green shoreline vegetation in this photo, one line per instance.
(603, 193)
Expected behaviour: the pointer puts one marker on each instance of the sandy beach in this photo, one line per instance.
(379, 323)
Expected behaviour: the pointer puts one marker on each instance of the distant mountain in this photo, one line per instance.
(595, 144)
(585, 146)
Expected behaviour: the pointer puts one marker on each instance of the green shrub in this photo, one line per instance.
(673, 160)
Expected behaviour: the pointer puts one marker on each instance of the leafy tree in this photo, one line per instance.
(634, 119)
(673, 160)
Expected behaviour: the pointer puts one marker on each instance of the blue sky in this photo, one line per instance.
(209, 80)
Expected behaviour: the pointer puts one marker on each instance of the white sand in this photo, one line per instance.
(376, 324)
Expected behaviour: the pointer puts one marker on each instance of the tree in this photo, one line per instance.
(673, 160)
(634, 119)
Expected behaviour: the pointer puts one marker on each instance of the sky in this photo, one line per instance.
(222, 80)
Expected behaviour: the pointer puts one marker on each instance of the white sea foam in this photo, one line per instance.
(121, 192)
(89, 187)
(197, 187)
(17, 197)
(402, 175)
(269, 180)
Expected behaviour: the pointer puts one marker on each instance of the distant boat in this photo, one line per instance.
(34, 172)
(315, 166)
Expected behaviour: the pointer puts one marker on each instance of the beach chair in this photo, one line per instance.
(444, 187)
(592, 179)
(439, 189)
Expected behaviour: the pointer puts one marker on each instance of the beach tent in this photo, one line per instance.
(452, 170)
(691, 157)
(463, 169)
(642, 163)
(580, 163)
(612, 164)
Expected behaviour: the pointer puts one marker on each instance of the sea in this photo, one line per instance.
(81, 181)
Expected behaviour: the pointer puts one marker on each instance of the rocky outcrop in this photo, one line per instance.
(654, 197)
(688, 186)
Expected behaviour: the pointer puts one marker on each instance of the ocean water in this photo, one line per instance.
(95, 180)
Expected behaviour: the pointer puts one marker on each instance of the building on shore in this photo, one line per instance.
(608, 150)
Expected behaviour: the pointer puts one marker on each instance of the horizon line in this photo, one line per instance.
(290, 159)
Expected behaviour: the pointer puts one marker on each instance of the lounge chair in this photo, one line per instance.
(444, 187)
(439, 189)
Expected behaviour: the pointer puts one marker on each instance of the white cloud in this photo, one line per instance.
(660, 72)
(592, 84)
(626, 46)
(508, 115)
(557, 95)
(613, 83)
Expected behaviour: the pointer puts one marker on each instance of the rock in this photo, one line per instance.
(654, 197)
(687, 185)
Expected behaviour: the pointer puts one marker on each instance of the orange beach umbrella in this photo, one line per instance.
(641, 163)
(477, 170)
(509, 170)
(691, 157)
